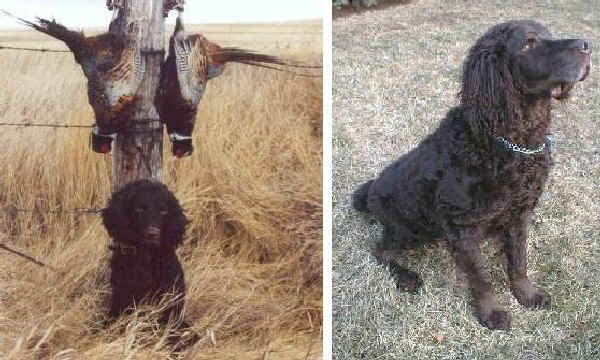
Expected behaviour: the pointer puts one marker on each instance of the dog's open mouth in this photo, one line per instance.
(152, 236)
(561, 91)
(152, 241)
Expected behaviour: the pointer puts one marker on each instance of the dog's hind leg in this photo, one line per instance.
(386, 253)
(464, 245)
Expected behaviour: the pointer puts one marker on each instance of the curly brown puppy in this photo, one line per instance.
(146, 223)
(481, 173)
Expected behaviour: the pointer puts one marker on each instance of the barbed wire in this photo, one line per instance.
(46, 125)
(79, 126)
(3, 47)
(23, 255)
(10, 209)
(282, 68)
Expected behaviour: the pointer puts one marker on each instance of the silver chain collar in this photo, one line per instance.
(516, 148)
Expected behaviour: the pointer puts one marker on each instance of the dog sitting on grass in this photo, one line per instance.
(481, 173)
(146, 223)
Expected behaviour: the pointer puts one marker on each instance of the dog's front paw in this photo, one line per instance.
(408, 281)
(531, 296)
(538, 298)
(542, 299)
(496, 318)
(405, 279)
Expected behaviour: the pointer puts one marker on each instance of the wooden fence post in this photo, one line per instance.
(138, 153)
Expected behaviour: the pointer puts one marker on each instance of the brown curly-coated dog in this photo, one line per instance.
(147, 224)
(481, 173)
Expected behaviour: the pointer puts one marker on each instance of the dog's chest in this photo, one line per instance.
(143, 272)
(495, 195)
(519, 184)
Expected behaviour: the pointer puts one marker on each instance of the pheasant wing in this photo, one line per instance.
(191, 62)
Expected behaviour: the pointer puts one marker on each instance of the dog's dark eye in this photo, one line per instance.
(163, 212)
(529, 44)
(138, 210)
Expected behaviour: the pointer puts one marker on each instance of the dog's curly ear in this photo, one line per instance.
(115, 216)
(487, 88)
(176, 222)
(483, 82)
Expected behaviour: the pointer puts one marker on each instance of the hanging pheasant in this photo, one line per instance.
(192, 61)
(113, 67)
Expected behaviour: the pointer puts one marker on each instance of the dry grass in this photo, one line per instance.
(396, 74)
(253, 190)
(347, 8)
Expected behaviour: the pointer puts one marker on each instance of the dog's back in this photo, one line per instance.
(402, 197)
(360, 196)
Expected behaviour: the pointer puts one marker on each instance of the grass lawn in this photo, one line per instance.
(396, 74)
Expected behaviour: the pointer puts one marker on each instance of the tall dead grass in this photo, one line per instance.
(253, 190)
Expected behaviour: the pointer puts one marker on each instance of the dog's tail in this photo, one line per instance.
(359, 197)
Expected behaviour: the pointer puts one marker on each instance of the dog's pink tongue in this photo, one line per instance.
(561, 91)
(556, 91)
